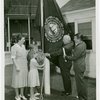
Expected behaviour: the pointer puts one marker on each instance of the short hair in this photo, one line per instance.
(66, 38)
(79, 36)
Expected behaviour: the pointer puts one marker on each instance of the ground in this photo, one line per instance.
(56, 87)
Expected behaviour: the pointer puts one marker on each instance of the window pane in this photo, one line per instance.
(86, 30)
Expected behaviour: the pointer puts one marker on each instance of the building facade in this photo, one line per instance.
(19, 18)
(80, 14)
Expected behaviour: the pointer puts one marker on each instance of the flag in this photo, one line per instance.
(54, 26)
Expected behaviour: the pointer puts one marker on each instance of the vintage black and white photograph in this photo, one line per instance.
(50, 49)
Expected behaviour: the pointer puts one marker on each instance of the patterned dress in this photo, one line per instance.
(19, 53)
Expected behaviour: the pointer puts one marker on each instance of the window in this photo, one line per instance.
(86, 30)
(72, 28)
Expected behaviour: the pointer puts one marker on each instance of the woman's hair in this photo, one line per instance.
(19, 37)
(79, 36)
(40, 57)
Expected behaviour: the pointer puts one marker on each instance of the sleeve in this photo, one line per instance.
(69, 46)
(13, 52)
(27, 52)
(28, 56)
(78, 52)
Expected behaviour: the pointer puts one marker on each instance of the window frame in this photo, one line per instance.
(84, 20)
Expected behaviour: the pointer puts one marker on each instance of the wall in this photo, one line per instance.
(8, 60)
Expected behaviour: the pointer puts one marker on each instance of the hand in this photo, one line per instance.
(47, 54)
(66, 57)
(41, 68)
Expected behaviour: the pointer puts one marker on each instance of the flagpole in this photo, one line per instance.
(47, 63)
(29, 21)
(42, 31)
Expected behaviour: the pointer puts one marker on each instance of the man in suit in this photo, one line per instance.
(65, 65)
(78, 58)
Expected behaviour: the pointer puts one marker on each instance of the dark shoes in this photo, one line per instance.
(65, 94)
(80, 98)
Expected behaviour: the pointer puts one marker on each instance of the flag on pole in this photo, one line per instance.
(54, 26)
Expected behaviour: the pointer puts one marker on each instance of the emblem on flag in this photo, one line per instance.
(53, 29)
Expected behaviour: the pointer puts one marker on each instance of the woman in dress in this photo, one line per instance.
(20, 70)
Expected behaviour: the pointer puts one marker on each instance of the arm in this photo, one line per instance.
(29, 56)
(14, 62)
(41, 67)
(69, 46)
(56, 52)
(33, 62)
(13, 56)
(60, 51)
(79, 51)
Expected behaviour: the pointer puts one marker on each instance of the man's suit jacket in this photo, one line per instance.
(58, 54)
(68, 49)
(79, 54)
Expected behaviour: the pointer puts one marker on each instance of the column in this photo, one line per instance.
(47, 77)
(8, 43)
(29, 28)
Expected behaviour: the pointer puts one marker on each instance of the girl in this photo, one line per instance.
(37, 62)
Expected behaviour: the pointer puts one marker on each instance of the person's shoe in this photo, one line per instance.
(65, 93)
(80, 98)
(32, 99)
(17, 98)
(77, 97)
(37, 94)
(36, 98)
(23, 97)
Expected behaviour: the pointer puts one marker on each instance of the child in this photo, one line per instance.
(33, 49)
(33, 78)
